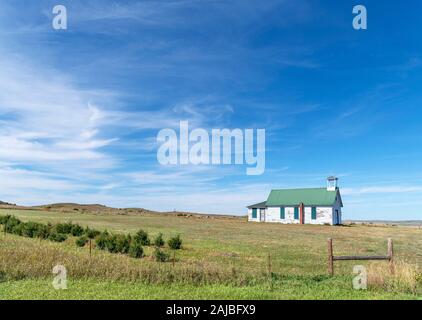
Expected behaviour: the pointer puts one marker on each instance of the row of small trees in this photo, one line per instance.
(113, 243)
(132, 245)
(37, 230)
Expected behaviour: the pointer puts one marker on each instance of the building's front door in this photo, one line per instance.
(302, 214)
(262, 215)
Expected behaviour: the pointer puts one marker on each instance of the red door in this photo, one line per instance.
(302, 214)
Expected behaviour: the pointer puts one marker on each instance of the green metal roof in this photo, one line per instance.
(294, 197)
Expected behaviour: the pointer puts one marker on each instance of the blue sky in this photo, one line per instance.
(80, 108)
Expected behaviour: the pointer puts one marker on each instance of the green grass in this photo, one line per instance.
(222, 258)
(299, 288)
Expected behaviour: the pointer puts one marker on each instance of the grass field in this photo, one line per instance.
(222, 258)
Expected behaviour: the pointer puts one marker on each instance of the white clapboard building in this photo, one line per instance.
(300, 206)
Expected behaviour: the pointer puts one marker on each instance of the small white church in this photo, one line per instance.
(300, 206)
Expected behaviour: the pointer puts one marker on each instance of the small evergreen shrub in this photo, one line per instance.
(159, 241)
(4, 219)
(142, 237)
(77, 230)
(111, 244)
(81, 241)
(160, 255)
(175, 243)
(18, 229)
(43, 232)
(92, 233)
(30, 229)
(64, 228)
(122, 243)
(136, 250)
(11, 224)
(101, 240)
(57, 237)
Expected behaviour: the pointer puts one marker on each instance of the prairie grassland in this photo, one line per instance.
(22, 258)
(337, 288)
(226, 257)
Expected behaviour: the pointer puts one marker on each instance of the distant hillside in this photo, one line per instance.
(91, 208)
(104, 210)
(2, 203)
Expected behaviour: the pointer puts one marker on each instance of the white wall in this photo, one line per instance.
(250, 215)
(324, 215)
(273, 215)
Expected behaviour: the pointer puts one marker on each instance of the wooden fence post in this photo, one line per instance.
(174, 257)
(270, 276)
(269, 264)
(391, 254)
(330, 257)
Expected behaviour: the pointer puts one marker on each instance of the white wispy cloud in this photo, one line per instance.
(46, 120)
(382, 190)
(54, 135)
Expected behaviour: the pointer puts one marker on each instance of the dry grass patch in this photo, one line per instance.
(402, 277)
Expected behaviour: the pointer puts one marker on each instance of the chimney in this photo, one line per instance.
(332, 183)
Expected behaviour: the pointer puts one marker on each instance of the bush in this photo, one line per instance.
(57, 237)
(142, 237)
(27, 229)
(101, 240)
(122, 243)
(64, 228)
(4, 219)
(111, 244)
(81, 241)
(136, 250)
(77, 230)
(43, 232)
(159, 241)
(12, 225)
(175, 243)
(92, 233)
(18, 229)
(30, 229)
(160, 255)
